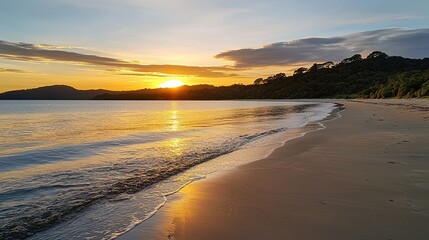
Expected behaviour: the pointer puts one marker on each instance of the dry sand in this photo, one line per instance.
(366, 176)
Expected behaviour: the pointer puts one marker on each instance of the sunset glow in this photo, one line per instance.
(109, 108)
(227, 45)
(171, 84)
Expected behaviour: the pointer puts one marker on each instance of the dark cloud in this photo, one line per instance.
(31, 52)
(10, 70)
(407, 43)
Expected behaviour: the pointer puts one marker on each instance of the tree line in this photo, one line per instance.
(376, 76)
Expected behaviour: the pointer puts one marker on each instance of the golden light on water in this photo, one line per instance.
(171, 84)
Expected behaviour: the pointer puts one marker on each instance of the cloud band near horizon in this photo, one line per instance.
(11, 70)
(38, 53)
(407, 43)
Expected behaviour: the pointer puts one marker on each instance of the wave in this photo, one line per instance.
(35, 219)
(71, 152)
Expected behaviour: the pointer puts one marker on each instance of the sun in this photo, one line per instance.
(171, 84)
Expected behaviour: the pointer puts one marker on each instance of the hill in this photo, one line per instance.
(56, 92)
(377, 76)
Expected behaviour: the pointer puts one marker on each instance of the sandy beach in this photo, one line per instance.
(365, 176)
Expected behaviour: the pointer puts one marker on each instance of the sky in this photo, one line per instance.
(134, 44)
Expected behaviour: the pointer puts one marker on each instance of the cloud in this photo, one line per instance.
(407, 43)
(31, 52)
(50, 46)
(10, 70)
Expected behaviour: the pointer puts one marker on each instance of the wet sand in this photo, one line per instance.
(366, 176)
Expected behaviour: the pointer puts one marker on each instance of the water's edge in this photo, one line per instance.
(125, 180)
(308, 128)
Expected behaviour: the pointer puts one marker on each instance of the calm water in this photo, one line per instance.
(94, 169)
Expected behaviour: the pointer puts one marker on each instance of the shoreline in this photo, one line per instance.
(261, 149)
(246, 202)
(120, 214)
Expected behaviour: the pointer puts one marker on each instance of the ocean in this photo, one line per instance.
(95, 169)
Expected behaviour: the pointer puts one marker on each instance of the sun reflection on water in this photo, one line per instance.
(176, 145)
(174, 118)
(174, 126)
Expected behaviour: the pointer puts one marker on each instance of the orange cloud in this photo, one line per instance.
(10, 70)
(36, 53)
